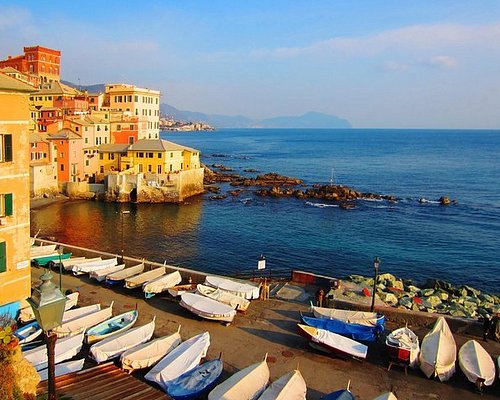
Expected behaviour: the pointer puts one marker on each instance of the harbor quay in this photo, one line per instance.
(270, 327)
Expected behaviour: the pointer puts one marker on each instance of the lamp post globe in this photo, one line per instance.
(376, 265)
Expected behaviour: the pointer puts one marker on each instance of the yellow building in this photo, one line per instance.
(15, 274)
(54, 91)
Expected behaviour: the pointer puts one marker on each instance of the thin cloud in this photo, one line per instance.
(445, 62)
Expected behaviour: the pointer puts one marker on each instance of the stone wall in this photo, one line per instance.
(43, 179)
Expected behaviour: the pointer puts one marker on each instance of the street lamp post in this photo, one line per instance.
(122, 249)
(376, 264)
(48, 305)
(60, 251)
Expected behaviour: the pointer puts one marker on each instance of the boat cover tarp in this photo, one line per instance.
(66, 348)
(354, 317)
(72, 261)
(343, 394)
(196, 382)
(87, 267)
(405, 338)
(126, 273)
(78, 312)
(222, 296)
(101, 274)
(183, 358)
(63, 369)
(476, 363)
(353, 331)
(26, 314)
(207, 308)
(162, 283)
(40, 251)
(439, 352)
(138, 280)
(117, 344)
(241, 289)
(246, 384)
(290, 386)
(79, 324)
(147, 354)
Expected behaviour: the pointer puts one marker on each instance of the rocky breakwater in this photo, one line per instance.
(435, 296)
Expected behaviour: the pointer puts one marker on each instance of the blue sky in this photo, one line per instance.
(394, 64)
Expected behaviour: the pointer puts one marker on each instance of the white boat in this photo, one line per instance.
(111, 326)
(117, 277)
(63, 369)
(65, 349)
(403, 346)
(183, 358)
(247, 384)
(116, 345)
(232, 300)
(89, 266)
(207, 308)
(28, 332)
(138, 280)
(438, 352)
(41, 251)
(80, 324)
(241, 289)
(332, 342)
(353, 317)
(290, 386)
(26, 314)
(100, 274)
(476, 364)
(72, 261)
(161, 284)
(386, 396)
(147, 354)
(79, 312)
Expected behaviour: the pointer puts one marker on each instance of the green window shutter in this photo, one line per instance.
(3, 258)
(7, 140)
(8, 204)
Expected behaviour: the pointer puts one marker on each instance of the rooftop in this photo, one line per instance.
(9, 84)
(158, 145)
(113, 148)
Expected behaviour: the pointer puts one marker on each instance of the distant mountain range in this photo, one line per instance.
(311, 119)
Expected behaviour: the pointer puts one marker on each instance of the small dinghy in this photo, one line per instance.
(290, 386)
(232, 300)
(353, 317)
(241, 289)
(179, 290)
(138, 280)
(100, 274)
(439, 352)
(89, 266)
(197, 382)
(353, 331)
(207, 308)
(476, 364)
(40, 251)
(44, 261)
(28, 332)
(65, 349)
(69, 264)
(147, 354)
(332, 342)
(26, 314)
(403, 347)
(247, 384)
(111, 326)
(63, 369)
(183, 358)
(79, 324)
(119, 343)
(161, 284)
(116, 278)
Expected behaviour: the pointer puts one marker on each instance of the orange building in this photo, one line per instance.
(69, 155)
(37, 60)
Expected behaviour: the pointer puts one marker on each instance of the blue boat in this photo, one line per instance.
(343, 394)
(352, 331)
(44, 260)
(196, 382)
(111, 326)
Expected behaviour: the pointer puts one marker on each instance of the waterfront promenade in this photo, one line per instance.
(270, 327)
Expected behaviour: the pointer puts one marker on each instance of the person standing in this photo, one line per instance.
(486, 326)
(320, 294)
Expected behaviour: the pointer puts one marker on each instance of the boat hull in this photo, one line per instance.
(197, 382)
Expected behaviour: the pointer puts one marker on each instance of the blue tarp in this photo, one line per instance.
(353, 331)
(339, 395)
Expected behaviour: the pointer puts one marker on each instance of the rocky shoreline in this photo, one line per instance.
(434, 296)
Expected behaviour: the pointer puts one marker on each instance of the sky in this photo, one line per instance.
(376, 63)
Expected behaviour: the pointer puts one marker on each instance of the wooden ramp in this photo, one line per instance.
(103, 382)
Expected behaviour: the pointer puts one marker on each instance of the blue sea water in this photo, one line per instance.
(458, 243)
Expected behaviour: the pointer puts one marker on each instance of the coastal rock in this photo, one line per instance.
(442, 295)
(427, 292)
(406, 302)
(431, 301)
(412, 289)
(389, 298)
(387, 279)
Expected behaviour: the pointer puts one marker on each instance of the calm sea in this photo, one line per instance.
(459, 243)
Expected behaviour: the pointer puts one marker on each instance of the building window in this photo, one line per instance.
(5, 204)
(141, 154)
(62, 167)
(150, 168)
(111, 156)
(159, 155)
(102, 169)
(159, 169)
(150, 155)
(5, 148)
(140, 167)
(131, 140)
(86, 139)
(87, 163)
(101, 156)
(3, 257)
